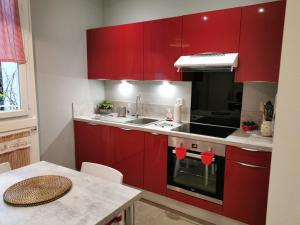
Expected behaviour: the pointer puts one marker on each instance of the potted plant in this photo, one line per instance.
(105, 107)
(249, 125)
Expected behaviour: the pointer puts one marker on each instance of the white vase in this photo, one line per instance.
(266, 129)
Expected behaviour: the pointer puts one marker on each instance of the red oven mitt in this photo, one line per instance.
(207, 157)
(180, 152)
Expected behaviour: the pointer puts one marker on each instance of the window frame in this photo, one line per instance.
(23, 111)
(23, 79)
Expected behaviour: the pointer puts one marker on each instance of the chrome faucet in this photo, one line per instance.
(138, 103)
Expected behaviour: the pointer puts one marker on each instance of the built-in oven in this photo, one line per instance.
(190, 176)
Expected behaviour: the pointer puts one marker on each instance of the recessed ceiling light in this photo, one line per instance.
(205, 18)
(261, 10)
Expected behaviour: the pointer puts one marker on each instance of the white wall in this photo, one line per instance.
(128, 11)
(60, 51)
(152, 92)
(284, 196)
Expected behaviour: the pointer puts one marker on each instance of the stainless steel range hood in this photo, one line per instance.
(208, 62)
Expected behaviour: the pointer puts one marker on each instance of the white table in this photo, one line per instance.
(90, 201)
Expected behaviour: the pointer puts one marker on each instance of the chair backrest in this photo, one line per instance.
(4, 167)
(102, 171)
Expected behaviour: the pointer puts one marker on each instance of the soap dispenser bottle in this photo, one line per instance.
(169, 116)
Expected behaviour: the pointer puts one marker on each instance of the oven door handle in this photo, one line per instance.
(192, 155)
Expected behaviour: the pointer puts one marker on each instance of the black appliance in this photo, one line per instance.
(216, 99)
(190, 176)
(216, 104)
(203, 129)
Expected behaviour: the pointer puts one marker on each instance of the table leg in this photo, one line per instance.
(129, 215)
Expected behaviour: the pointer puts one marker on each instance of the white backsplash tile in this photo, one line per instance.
(152, 92)
(257, 93)
(157, 99)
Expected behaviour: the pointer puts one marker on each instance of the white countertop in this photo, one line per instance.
(252, 140)
(90, 201)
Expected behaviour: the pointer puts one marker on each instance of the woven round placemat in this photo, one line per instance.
(37, 190)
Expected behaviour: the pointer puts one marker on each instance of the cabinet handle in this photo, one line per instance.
(251, 150)
(155, 134)
(250, 165)
(126, 129)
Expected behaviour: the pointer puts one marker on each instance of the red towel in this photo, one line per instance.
(207, 157)
(180, 152)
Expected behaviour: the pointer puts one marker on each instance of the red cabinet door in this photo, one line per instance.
(260, 42)
(246, 192)
(92, 144)
(128, 148)
(215, 31)
(155, 163)
(162, 47)
(116, 52)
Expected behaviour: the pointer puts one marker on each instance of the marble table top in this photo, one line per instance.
(90, 201)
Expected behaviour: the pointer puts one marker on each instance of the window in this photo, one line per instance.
(9, 87)
(13, 94)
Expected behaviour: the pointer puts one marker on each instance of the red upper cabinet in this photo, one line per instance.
(128, 148)
(155, 163)
(162, 47)
(246, 185)
(116, 52)
(215, 31)
(260, 42)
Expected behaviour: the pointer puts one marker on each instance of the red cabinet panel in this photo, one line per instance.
(246, 189)
(215, 31)
(115, 52)
(92, 144)
(260, 42)
(155, 163)
(195, 201)
(162, 47)
(128, 148)
(251, 156)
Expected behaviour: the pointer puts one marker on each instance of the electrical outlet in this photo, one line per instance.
(179, 101)
(261, 106)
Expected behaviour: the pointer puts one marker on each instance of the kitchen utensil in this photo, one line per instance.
(121, 111)
(268, 111)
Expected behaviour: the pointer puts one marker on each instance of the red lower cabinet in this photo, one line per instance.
(155, 163)
(246, 186)
(128, 150)
(92, 144)
(195, 201)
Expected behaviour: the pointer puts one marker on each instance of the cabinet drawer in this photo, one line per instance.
(249, 156)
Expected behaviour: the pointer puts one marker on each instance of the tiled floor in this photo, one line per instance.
(150, 214)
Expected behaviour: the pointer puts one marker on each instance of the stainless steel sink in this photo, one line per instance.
(142, 121)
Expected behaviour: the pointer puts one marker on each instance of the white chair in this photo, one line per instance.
(4, 167)
(106, 173)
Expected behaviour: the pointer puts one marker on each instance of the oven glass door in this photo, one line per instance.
(192, 175)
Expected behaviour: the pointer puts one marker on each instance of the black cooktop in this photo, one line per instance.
(203, 129)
